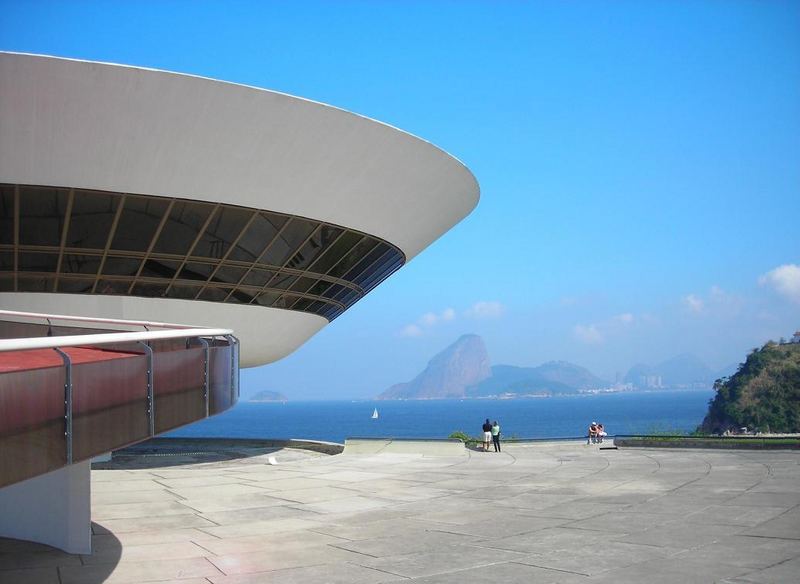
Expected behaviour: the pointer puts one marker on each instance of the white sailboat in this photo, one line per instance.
(375, 414)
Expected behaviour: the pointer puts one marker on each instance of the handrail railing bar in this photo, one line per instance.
(106, 338)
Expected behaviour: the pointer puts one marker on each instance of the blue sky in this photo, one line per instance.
(639, 165)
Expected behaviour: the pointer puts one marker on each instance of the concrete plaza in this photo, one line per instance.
(555, 512)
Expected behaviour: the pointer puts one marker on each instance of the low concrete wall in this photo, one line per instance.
(712, 444)
(424, 447)
(160, 445)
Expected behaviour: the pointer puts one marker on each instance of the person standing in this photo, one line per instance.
(496, 436)
(592, 433)
(487, 434)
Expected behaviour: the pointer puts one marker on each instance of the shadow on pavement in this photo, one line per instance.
(26, 561)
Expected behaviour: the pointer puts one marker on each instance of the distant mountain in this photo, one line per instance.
(267, 396)
(554, 377)
(448, 374)
(507, 379)
(684, 370)
(569, 374)
(462, 370)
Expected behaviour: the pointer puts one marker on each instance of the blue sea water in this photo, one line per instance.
(555, 417)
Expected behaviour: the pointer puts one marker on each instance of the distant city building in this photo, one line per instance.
(650, 381)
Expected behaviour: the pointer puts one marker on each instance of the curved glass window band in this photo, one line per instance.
(57, 239)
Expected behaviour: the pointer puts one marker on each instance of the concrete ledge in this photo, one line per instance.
(431, 447)
(167, 445)
(709, 444)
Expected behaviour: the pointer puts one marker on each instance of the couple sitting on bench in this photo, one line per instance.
(596, 433)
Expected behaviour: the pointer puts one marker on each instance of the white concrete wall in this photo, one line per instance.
(117, 128)
(266, 334)
(54, 509)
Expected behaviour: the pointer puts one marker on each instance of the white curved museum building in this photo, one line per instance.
(133, 199)
(141, 194)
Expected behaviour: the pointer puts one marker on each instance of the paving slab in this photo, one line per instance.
(507, 573)
(546, 539)
(624, 522)
(145, 552)
(278, 541)
(263, 527)
(680, 535)
(270, 560)
(222, 502)
(743, 551)
(670, 571)
(152, 523)
(30, 576)
(403, 544)
(440, 561)
(784, 526)
(382, 528)
(785, 571)
(596, 558)
(344, 573)
(132, 510)
(146, 571)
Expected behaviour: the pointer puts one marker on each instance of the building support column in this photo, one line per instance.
(53, 509)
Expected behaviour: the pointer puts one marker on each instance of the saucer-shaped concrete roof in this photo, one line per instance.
(115, 128)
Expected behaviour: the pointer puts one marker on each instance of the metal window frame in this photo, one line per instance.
(257, 262)
(197, 239)
(344, 255)
(286, 263)
(110, 239)
(153, 241)
(233, 245)
(64, 232)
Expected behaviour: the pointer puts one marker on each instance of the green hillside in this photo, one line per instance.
(763, 394)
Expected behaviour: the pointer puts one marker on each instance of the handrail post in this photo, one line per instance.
(67, 401)
(151, 414)
(234, 343)
(236, 346)
(206, 380)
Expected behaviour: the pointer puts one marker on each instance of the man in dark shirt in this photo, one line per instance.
(487, 435)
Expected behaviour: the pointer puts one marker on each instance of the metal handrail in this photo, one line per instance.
(143, 323)
(25, 344)
(173, 331)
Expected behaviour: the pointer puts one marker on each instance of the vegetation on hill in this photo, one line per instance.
(764, 394)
